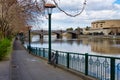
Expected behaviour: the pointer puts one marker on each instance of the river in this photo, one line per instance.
(83, 45)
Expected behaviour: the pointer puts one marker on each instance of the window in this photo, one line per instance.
(96, 25)
(101, 25)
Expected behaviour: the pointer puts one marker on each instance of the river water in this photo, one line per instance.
(83, 45)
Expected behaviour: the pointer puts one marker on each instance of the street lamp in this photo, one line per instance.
(49, 8)
(29, 44)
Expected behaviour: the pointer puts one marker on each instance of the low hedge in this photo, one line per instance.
(5, 45)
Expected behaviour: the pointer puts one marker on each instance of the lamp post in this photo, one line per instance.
(49, 8)
(29, 41)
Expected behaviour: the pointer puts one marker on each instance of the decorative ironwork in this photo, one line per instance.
(91, 61)
(98, 66)
(78, 58)
(97, 62)
(105, 64)
(118, 66)
(83, 60)
(73, 58)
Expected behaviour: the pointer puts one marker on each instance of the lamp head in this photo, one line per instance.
(49, 7)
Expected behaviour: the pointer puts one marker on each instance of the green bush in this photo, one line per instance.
(4, 47)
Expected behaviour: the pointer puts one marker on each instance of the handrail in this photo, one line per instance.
(84, 54)
(101, 67)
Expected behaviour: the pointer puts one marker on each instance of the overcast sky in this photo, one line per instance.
(95, 10)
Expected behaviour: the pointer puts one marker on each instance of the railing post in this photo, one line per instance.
(39, 51)
(68, 60)
(43, 52)
(29, 48)
(33, 50)
(56, 57)
(86, 63)
(36, 51)
(112, 70)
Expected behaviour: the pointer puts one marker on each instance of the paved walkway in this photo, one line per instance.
(28, 67)
(4, 70)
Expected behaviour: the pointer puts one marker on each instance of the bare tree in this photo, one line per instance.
(15, 14)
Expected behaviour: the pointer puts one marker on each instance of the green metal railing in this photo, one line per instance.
(101, 67)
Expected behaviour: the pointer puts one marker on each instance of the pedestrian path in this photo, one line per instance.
(4, 70)
(28, 67)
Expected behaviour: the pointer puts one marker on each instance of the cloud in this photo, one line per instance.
(95, 10)
(117, 6)
(97, 5)
(104, 14)
(59, 16)
(71, 5)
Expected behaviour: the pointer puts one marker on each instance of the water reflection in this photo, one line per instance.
(82, 45)
(105, 46)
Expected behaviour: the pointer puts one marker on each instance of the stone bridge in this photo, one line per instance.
(41, 33)
(74, 34)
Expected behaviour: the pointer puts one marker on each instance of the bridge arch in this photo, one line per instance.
(73, 34)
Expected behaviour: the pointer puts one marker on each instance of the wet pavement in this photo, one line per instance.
(25, 66)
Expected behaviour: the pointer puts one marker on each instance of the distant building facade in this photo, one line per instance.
(106, 27)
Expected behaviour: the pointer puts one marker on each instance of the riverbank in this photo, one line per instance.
(100, 36)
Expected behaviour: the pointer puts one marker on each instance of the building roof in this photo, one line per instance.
(106, 20)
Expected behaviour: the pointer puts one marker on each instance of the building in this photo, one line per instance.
(106, 27)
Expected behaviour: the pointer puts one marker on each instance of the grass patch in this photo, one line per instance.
(5, 49)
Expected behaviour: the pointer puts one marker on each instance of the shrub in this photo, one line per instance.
(4, 47)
